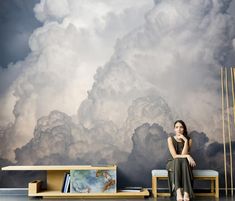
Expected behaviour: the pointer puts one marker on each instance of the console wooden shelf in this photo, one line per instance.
(58, 194)
(55, 177)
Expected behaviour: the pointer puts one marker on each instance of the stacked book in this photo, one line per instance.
(132, 189)
(66, 183)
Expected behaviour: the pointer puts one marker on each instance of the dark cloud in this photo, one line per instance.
(149, 152)
(198, 150)
(214, 148)
(232, 8)
(17, 24)
(218, 148)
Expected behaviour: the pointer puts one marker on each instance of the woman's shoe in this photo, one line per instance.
(179, 199)
(179, 196)
(186, 197)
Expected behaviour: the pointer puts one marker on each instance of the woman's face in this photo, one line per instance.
(179, 129)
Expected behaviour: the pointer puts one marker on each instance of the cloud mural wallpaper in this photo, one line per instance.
(103, 82)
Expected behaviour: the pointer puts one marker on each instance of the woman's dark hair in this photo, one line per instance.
(184, 126)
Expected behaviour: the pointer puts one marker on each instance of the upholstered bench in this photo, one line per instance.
(211, 175)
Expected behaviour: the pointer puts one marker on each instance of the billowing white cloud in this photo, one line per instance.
(164, 65)
(57, 135)
(48, 10)
(176, 54)
(75, 39)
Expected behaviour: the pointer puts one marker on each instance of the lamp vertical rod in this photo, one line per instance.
(223, 126)
(228, 113)
(230, 141)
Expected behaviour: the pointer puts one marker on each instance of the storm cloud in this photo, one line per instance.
(104, 82)
(149, 151)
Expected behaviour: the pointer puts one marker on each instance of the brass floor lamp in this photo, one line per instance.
(227, 93)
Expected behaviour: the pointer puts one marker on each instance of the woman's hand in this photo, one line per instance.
(181, 136)
(192, 163)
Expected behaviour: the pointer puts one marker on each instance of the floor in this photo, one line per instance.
(25, 198)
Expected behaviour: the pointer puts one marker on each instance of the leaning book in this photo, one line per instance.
(66, 183)
(62, 188)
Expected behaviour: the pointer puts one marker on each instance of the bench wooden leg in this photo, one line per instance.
(212, 185)
(154, 186)
(217, 187)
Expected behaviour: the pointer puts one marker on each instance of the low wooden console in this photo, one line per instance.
(55, 177)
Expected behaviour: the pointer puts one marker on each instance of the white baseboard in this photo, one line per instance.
(13, 191)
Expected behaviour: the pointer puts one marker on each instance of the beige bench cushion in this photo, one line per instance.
(202, 173)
